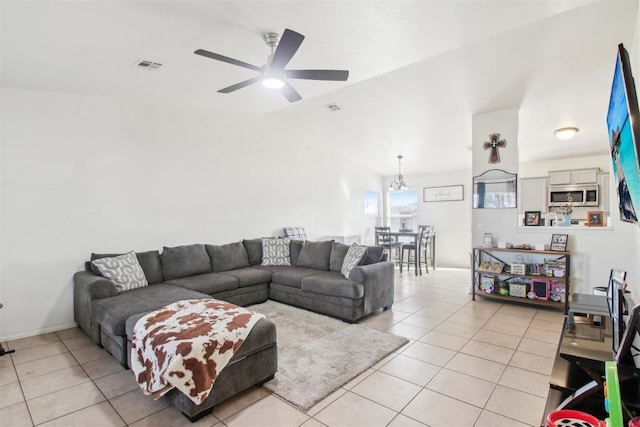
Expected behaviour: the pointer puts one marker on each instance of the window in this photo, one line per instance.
(402, 209)
(371, 215)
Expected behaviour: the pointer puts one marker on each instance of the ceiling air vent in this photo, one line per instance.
(333, 107)
(147, 65)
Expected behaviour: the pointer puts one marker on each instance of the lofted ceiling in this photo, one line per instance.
(419, 70)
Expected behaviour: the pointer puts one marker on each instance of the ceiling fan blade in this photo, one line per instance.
(226, 59)
(290, 93)
(287, 47)
(240, 85)
(333, 75)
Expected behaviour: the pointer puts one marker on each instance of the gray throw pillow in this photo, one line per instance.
(353, 258)
(276, 251)
(183, 261)
(338, 252)
(228, 257)
(315, 255)
(374, 255)
(123, 270)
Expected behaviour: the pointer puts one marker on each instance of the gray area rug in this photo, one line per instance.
(318, 354)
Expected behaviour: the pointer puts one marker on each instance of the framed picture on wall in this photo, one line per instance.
(443, 194)
(595, 218)
(559, 242)
(532, 218)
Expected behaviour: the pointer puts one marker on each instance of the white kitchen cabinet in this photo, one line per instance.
(532, 194)
(574, 176)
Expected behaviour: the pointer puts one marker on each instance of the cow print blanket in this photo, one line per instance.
(185, 345)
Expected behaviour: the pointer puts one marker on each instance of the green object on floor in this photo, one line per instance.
(612, 395)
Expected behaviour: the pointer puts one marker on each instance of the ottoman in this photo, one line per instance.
(255, 363)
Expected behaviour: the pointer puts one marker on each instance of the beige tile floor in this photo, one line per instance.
(468, 363)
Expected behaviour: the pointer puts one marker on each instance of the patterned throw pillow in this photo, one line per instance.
(276, 251)
(123, 270)
(352, 258)
(295, 233)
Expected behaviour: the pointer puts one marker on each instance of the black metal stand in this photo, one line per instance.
(2, 350)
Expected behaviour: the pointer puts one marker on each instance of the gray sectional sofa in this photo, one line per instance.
(233, 273)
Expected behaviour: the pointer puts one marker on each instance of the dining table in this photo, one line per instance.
(415, 235)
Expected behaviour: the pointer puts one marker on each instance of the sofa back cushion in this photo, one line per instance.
(374, 255)
(183, 261)
(315, 255)
(338, 252)
(294, 251)
(227, 257)
(149, 261)
(254, 250)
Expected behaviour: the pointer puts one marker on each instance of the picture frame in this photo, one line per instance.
(519, 269)
(595, 218)
(541, 288)
(532, 218)
(559, 242)
(447, 193)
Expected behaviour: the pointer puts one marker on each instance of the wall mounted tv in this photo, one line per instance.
(623, 125)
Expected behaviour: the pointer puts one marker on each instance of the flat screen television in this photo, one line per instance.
(629, 350)
(617, 306)
(623, 126)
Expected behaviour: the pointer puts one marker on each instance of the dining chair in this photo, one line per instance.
(424, 243)
(384, 239)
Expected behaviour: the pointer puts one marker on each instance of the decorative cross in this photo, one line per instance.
(494, 144)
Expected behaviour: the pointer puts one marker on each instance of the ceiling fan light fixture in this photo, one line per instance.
(565, 133)
(398, 183)
(272, 82)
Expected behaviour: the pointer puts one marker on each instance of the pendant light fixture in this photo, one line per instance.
(398, 183)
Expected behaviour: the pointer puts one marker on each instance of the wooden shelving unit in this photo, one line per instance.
(482, 255)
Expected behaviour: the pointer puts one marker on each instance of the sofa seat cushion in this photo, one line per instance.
(209, 283)
(332, 283)
(250, 276)
(293, 276)
(112, 313)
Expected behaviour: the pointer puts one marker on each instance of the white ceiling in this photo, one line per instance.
(419, 70)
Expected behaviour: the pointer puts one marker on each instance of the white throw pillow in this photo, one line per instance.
(123, 270)
(276, 251)
(353, 257)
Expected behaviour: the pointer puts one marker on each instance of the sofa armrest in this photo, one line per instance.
(88, 287)
(378, 284)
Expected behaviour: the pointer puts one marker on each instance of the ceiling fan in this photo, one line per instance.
(273, 75)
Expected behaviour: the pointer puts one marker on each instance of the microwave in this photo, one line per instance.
(582, 195)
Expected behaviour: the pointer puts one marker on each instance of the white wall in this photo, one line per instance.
(504, 122)
(85, 174)
(452, 220)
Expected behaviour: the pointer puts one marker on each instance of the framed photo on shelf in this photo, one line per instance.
(532, 218)
(595, 218)
(518, 269)
(540, 288)
(559, 242)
